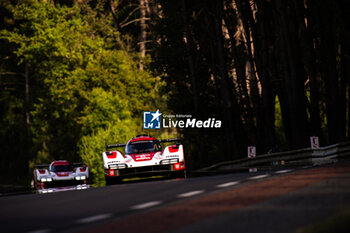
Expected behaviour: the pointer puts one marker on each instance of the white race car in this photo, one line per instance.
(60, 173)
(143, 156)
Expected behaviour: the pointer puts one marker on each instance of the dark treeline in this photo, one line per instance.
(246, 62)
(275, 72)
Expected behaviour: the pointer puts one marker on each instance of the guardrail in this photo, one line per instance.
(306, 156)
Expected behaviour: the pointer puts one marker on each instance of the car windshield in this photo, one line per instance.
(141, 147)
(62, 168)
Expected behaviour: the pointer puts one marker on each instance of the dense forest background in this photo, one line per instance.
(77, 74)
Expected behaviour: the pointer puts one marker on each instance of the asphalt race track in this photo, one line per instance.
(274, 201)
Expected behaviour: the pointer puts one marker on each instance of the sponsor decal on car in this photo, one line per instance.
(143, 157)
(172, 156)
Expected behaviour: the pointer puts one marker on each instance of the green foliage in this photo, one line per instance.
(86, 92)
(92, 145)
(280, 135)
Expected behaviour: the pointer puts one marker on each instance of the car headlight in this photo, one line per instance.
(169, 161)
(80, 177)
(121, 166)
(46, 179)
(165, 162)
(118, 166)
(174, 161)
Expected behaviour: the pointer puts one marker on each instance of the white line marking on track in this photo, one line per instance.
(94, 218)
(228, 184)
(283, 171)
(258, 177)
(190, 194)
(146, 205)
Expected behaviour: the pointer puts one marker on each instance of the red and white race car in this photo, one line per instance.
(60, 173)
(143, 155)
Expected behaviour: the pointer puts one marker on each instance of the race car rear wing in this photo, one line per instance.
(41, 165)
(160, 141)
(48, 165)
(115, 145)
(169, 140)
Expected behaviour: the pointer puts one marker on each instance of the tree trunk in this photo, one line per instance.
(294, 100)
(226, 98)
(114, 16)
(258, 56)
(27, 97)
(143, 33)
(189, 50)
(334, 83)
(309, 59)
